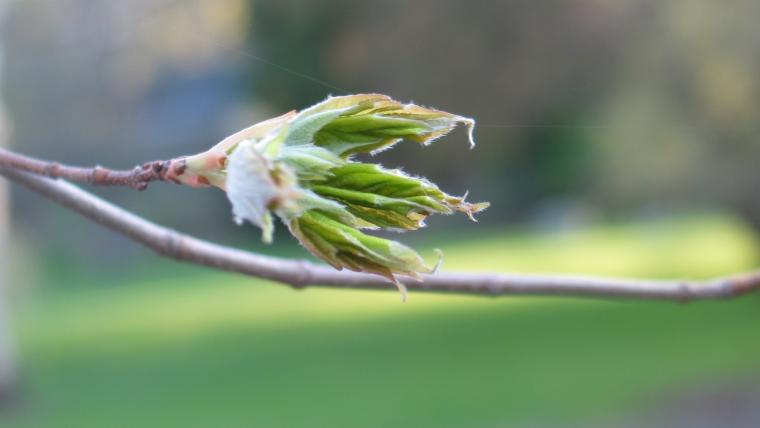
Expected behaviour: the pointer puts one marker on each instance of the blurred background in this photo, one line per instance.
(614, 138)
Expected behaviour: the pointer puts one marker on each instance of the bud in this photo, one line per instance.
(298, 167)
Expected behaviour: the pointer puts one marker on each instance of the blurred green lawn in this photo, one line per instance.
(206, 349)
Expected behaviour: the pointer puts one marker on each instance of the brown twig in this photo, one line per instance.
(298, 273)
(137, 178)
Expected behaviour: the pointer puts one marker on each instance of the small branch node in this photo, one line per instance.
(686, 292)
(52, 169)
(302, 276)
(172, 245)
(98, 176)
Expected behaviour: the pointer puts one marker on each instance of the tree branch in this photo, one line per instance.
(298, 273)
(137, 178)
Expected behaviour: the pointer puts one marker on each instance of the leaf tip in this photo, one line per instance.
(401, 288)
(439, 262)
(470, 124)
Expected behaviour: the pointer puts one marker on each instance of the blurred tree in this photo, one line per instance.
(682, 122)
(8, 376)
(290, 49)
(139, 80)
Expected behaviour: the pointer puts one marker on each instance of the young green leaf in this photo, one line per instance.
(389, 198)
(310, 162)
(345, 247)
(369, 123)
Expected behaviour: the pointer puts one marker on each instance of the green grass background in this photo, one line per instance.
(196, 348)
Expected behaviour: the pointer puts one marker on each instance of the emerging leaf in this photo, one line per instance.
(389, 198)
(369, 123)
(343, 246)
(298, 167)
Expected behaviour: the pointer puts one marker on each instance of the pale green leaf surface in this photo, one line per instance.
(388, 198)
(346, 247)
(310, 162)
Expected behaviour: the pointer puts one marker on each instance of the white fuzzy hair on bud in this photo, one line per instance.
(250, 188)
